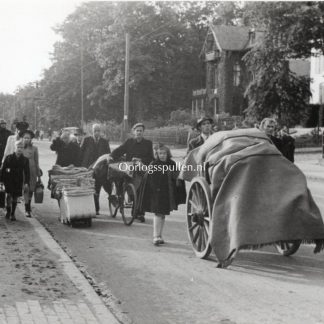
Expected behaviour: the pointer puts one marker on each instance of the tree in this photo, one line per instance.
(291, 31)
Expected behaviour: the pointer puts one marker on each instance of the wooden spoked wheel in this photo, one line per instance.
(113, 200)
(199, 217)
(288, 248)
(127, 207)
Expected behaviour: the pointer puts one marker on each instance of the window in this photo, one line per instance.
(319, 64)
(236, 74)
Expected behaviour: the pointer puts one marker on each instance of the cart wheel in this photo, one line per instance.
(199, 217)
(113, 200)
(288, 248)
(127, 208)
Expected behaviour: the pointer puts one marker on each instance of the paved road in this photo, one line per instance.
(170, 285)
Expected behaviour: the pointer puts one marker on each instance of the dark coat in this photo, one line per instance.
(4, 134)
(288, 147)
(67, 154)
(142, 150)
(90, 150)
(195, 142)
(277, 142)
(15, 173)
(161, 192)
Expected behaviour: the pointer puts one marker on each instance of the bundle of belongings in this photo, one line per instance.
(258, 197)
(73, 187)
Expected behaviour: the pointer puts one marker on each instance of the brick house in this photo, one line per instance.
(226, 73)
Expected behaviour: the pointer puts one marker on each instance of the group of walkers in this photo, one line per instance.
(19, 166)
(159, 192)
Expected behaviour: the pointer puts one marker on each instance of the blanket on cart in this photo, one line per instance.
(258, 196)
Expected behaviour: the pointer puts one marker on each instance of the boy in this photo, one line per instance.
(15, 175)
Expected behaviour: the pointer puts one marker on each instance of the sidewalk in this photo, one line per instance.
(39, 283)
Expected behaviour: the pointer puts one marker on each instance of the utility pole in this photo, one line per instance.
(82, 80)
(126, 93)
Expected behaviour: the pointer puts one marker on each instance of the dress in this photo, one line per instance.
(31, 153)
(159, 192)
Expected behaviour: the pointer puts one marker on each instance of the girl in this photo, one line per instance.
(159, 192)
(31, 153)
(15, 173)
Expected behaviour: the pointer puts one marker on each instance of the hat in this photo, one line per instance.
(22, 125)
(201, 120)
(26, 131)
(2, 121)
(138, 125)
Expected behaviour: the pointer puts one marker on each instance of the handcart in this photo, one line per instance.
(74, 189)
(244, 194)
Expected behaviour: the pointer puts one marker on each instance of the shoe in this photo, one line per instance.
(13, 218)
(141, 218)
(28, 214)
(97, 212)
(156, 241)
(8, 213)
(161, 241)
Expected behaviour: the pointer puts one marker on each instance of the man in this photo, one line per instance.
(204, 125)
(67, 152)
(268, 126)
(4, 134)
(91, 148)
(136, 148)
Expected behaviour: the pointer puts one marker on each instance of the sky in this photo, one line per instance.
(27, 38)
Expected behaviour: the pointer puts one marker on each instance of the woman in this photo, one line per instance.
(31, 153)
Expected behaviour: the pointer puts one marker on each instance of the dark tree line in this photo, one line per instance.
(166, 39)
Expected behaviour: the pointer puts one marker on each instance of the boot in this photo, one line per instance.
(8, 213)
(96, 201)
(13, 217)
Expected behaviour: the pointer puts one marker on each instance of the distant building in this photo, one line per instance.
(227, 76)
(317, 79)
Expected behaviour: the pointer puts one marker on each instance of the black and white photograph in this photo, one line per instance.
(161, 162)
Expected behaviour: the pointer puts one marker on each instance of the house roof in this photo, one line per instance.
(233, 38)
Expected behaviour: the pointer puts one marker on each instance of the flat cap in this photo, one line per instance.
(138, 125)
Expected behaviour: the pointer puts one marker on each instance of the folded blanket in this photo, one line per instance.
(258, 196)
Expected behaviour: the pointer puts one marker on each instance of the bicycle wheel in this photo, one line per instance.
(113, 200)
(127, 207)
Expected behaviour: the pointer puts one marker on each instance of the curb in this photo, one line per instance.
(102, 313)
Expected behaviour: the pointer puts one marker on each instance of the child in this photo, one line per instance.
(159, 193)
(15, 174)
(31, 153)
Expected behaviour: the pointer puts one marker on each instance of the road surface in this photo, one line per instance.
(169, 284)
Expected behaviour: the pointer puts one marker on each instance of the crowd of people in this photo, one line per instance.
(159, 192)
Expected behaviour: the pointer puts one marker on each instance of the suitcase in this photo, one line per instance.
(39, 192)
